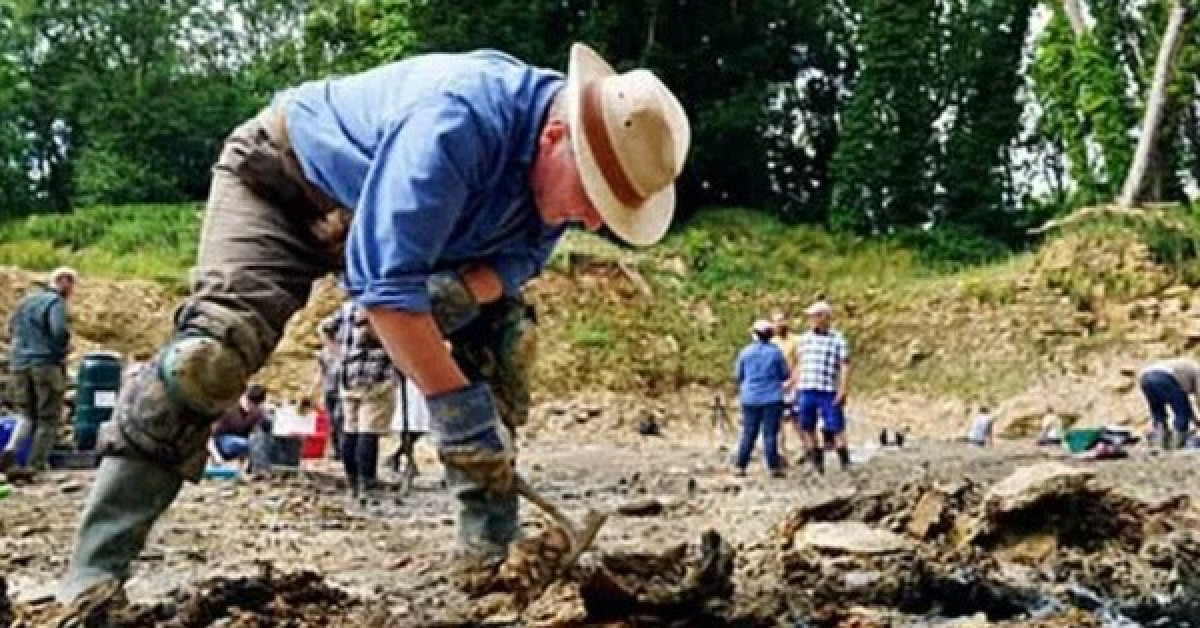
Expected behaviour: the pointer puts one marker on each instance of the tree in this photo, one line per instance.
(981, 67)
(883, 165)
(1155, 105)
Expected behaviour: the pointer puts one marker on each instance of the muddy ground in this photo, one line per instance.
(935, 534)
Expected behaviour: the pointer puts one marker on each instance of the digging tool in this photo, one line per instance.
(581, 537)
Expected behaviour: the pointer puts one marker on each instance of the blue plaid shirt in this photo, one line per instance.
(821, 357)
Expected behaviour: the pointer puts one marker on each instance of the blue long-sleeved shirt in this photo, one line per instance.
(432, 154)
(760, 371)
(39, 332)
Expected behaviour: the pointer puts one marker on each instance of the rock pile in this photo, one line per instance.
(1048, 541)
(269, 598)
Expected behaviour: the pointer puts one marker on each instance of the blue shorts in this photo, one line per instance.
(810, 402)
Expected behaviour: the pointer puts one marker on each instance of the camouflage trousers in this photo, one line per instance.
(38, 393)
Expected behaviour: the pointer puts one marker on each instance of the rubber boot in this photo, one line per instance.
(843, 455)
(1165, 439)
(127, 497)
(816, 456)
(1179, 440)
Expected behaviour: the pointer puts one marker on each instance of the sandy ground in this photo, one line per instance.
(228, 527)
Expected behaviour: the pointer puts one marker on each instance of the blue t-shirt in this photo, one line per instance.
(760, 371)
(432, 154)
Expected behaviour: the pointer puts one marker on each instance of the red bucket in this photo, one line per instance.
(314, 446)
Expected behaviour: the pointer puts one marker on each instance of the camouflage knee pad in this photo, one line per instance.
(165, 414)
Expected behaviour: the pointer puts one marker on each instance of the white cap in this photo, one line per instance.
(63, 271)
(762, 326)
(820, 307)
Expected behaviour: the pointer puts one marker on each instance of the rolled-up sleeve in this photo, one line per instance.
(412, 198)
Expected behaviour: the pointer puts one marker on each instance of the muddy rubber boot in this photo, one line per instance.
(7, 460)
(127, 497)
(843, 455)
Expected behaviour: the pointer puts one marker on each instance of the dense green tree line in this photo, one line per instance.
(935, 118)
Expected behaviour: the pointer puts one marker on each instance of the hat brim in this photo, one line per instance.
(640, 225)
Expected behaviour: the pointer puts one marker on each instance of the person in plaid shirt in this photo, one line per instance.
(367, 395)
(820, 380)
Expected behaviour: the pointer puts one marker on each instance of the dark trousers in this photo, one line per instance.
(360, 458)
(333, 407)
(758, 418)
(1161, 390)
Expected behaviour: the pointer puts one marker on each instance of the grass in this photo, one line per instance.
(156, 242)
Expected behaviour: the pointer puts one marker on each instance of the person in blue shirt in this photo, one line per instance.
(760, 371)
(438, 185)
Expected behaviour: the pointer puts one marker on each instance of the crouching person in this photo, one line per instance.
(442, 182)
(1171, 383)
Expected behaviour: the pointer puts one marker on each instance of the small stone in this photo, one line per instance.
(851, 537)
(641, 508)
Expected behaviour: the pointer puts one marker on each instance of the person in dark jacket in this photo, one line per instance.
(40, 338)
(231, 432)
(761, 371)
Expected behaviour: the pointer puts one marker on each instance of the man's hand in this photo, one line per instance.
(840, 398)
(471, 438)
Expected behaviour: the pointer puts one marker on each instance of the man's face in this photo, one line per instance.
(781, 326)
(819, 321)
(557, 188)
(66, 286)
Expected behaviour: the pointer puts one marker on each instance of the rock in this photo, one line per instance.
(928, 516)
(676, 266)
(560, 605)
(675, 582)
(978, 620)
(851, 537)
(641, 508)
(1191, 338)
(1029, 484)
(1157, 552)
(1032, 550)
(1177, 292)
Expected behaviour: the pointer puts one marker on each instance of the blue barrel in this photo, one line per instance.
(96, 387)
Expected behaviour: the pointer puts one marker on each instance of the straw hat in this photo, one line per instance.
(630, 136)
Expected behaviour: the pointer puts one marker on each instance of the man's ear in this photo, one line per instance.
(554, 132)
